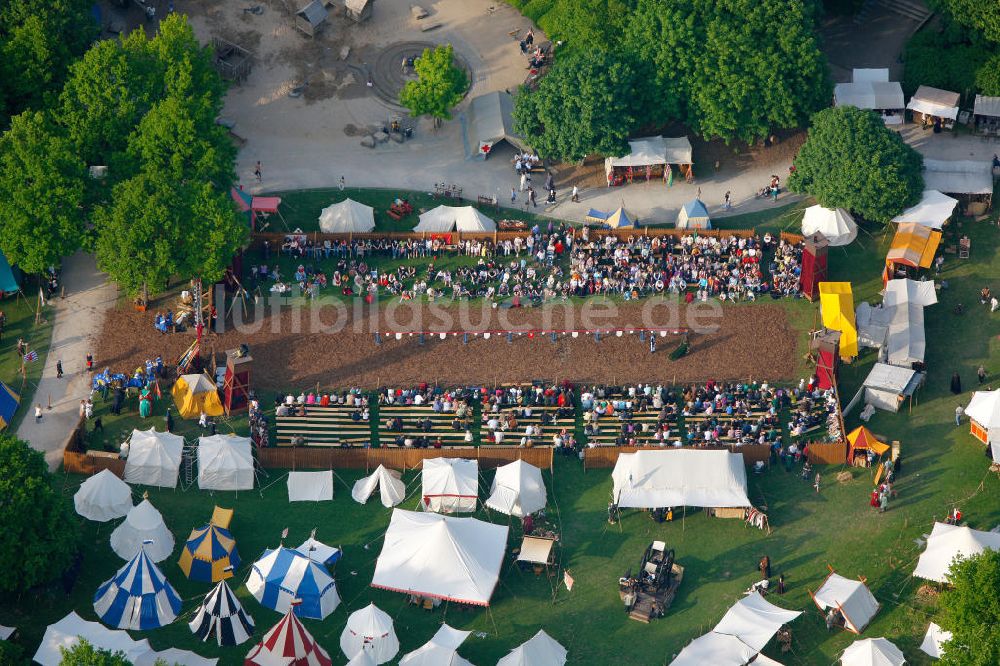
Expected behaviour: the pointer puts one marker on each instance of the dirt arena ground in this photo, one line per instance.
(753, 341)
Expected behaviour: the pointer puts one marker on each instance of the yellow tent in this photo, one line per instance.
(862, 438)
(837, 306)
(195, 394)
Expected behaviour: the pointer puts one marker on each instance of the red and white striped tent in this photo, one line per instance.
(288, 642)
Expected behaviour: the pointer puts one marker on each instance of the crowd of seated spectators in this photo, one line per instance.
(637, 413)
(733, 413)
(299, 405)
(811, 408)
(541, 405)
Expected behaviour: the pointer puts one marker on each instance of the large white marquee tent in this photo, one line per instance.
(225, 462)
(947, 542)
(347, 216)
(449, 485)
(445, 219)
(443, 557)
(680, 477)
(518, 489)
(154, 458)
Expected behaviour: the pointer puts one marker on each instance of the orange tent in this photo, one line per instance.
(862, 438)
(914, 245)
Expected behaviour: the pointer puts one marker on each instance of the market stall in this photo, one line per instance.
(651, 158)
(933, 107)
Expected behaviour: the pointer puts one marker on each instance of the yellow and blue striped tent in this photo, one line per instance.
(9, 400)
(208, 553)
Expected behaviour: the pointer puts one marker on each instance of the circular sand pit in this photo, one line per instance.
(389, 77)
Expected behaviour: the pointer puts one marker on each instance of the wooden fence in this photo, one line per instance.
(606, 456)
(827, 453)
(397, 458)
(77, 460)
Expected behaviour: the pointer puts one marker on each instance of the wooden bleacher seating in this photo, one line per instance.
(413, 416)
(324, 426)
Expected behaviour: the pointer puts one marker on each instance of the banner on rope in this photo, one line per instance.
(540, 332)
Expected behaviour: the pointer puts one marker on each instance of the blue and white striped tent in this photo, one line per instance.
(137, 597)
(283, 575)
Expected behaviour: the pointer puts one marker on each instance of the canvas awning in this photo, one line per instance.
(680, 477)
(934, 209)
(851, 597)
(653, 151)
(444, 219)
(715, 649)
(987, 106)
(535, 550)
(959, 176)
(754, 620)
(935, 102)
(870, 95)
(913, 245)
(440, 650)
(836, 225)
(347, 216)
(947, 542)
(310, 486)
(905, 338)
(488, 121)
(837, 309)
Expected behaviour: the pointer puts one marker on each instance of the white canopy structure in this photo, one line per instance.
(715, 649)
(653, 151)
(518, 489)
(935, 102)
(68, 631)
(851, 597)
(370, 630)
(871, 89)
(103, 497)
(680, 477)
(6, 632)
(935, 208)
(948, 542)
(391, 489)
(430, 555)
(540, 650)
(984, 413)
(346, 217)
(934, 639)
(959, 176)
(449, 485)
(154, 458)
(897, 326)
(143, 523)
(225, 462)
(986, 106)
(488, 121)
(310, 486)
(445, 219)
(888, 386)
(440, 650)
(836, 225)
(872, 652)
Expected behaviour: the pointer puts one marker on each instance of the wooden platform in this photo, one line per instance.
(643, 606)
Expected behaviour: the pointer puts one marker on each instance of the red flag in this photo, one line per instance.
(568, 581)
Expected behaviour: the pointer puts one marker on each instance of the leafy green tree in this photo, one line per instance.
(85, 654)
(662, 35)
(852, 160)
(11, 653)
(972, 611)
(982, 16)
(946, 58)
(988, 77)
(439, 86)
(45, 185)
(39, 535)
(584, 105)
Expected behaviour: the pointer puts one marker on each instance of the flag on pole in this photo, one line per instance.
(568, 581)
(31, 356)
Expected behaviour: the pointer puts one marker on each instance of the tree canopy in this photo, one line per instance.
(584, 105)
(983, 16)
(439, 86)
(39, 537)
(85, 654)
(972, 611)
(852, 160)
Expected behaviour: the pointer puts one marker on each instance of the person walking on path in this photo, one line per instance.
(90, 362)
(524, 181)
(531, 197)
(727, 202)
(981, 373)
(513, 195)
(956, 383)
(59, 370)
(341, 184)
(169, 418)
(781, 583)
(883, 502)
(958, 415)
(816, 483)
(257, 172)
(575, 197)
(38, 413)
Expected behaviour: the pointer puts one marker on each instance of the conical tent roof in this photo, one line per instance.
(518, 489)
(103, 497)
(284, 575)
(221, 615)
(71, 629)
(449, 218)
(850, 597)
(619, 219)
(347, 216)
(836, 225)
(154, 458)
(143, 523)
(198, 383)
(391, 488)
(694, 215)
(449, 484)
(540, 650)
(317, 551)
(872, 652)
(370, 629)
(947, 542)
(137, 597)
(363, 658)
(439, 650)
(862, 438)
(207, 554)
(288, 644)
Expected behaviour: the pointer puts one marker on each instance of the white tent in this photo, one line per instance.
(984, 412)
(319, 552)
(370, 630)
(449, 485)
(905, 342)
(836, 225)
(310, 486)
(143, 523)
(935, 102)
(680, 477)
(103, 497)
(488, 121)
(430, 555)
(444, 219)
(851, 597)
(934, 209)
(986, 106)
(6, 632)
(694, 215)
(154, 458)
(347, 216)
(947, 542)
(653, 151)
(540, 650)
(872, 652)
(391, 488)
(363, 658)
(754, 620)
(715, 649)
(887, 386)
(517, 489)
(225, 463)
(440, 650)
(934, 639)
(68, 631)
(959, 176)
